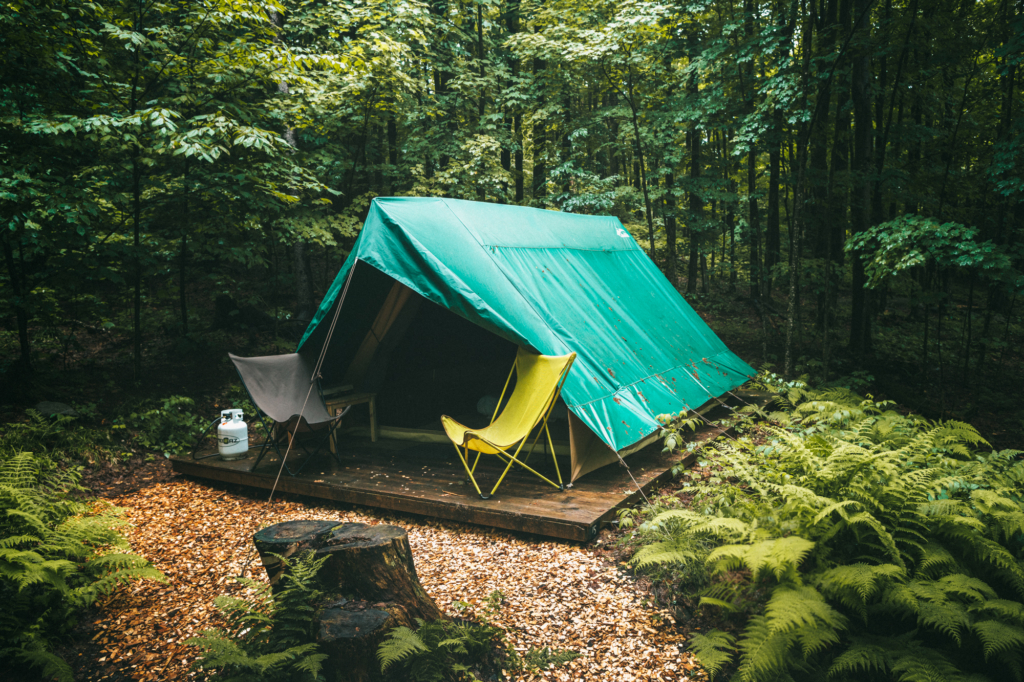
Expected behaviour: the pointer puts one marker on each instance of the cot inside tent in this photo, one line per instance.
(436, 295)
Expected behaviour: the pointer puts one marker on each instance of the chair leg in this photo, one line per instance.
(469, 473)
(554, 457)
(268, 442)
(513, 459)
(532, 446)
(475, 461)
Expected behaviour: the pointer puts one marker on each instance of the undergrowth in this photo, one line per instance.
(58, 555)
(269, 636)
(856, 542)
(56, 440)
(461, 649)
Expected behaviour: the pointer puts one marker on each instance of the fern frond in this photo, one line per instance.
(35, 654)
(935, 558)
(668, 552)
(802, 607)
(781, 557)
(998, 637)
(1004, 609)
(854, 584)
(864, 655)
(949, 618)
(967, 587)
(714, 650)
(398, 645)
(765, 651)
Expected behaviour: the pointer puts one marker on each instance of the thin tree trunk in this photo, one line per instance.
(183, 254)
(540, 171)
(860, 204)
(517, 123)
(631, 100)
(753, 217)
(696, 219)
(796, 227)
(670, 229)
(773, 232)
(137, 267)
(18, 284)
(392, 154)
(967, 344)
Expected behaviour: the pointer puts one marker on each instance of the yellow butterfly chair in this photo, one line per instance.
(539, 380)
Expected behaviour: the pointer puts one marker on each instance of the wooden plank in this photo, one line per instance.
(499, 514)
(425, 478)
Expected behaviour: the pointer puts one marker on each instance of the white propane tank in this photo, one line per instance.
(232, 435)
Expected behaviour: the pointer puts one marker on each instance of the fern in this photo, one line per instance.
(269, 636)
(57, 556)
(440, 650)
(400, 644)
(443, 650)
(882, 546)
(714, 649)
(536, 660)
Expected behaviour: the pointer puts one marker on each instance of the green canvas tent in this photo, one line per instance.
(554, 282)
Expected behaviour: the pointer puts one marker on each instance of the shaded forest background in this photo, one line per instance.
(835, 185)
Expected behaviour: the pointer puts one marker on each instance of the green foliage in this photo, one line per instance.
(544, 658)
(56, 439)
(170, 428)
(881, 546)
(439, 650)
(914, 241)
(444, 650)
(269, 637)
(57, 556)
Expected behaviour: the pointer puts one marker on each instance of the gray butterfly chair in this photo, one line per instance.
(278, 386)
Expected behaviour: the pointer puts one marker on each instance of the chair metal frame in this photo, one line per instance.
(272, 440)
(513, 458)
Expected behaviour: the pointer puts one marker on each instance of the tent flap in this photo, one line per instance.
(557, 282)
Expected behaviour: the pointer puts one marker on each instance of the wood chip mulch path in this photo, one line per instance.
(557, 594)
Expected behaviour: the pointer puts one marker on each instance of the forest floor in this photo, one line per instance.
(556, 594)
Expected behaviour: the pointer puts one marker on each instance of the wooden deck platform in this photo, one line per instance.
(427, 478)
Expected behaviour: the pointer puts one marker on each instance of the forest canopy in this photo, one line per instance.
(155, 151)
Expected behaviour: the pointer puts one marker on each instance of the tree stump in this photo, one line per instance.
(288, 539)
(370, 587)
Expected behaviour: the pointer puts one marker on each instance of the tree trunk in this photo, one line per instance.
(773, 233)
(753, 217)
(796, 228)
(304, 305)
(512, 24)
(642, 174)
(860, 204)
(670, 229)
(696, 219)
(20, 309)
(517, 123)
(540, 171)
(392, 154)
(372, 567)
(137, 267)
(186, 224)
(755, 226)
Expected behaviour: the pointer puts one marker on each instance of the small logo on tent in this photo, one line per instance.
(622, 233)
